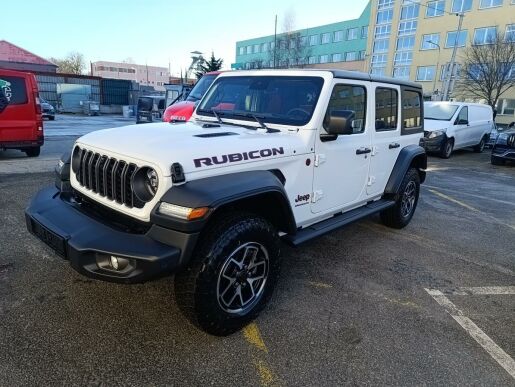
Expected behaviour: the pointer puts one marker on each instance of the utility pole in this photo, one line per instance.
(437, 63)
(275, 39)
(450, 70)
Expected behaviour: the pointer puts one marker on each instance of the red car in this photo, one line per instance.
(182, 111)
(21, 122)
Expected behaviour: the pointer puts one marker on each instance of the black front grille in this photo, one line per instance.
(511, 141)
(108, 177)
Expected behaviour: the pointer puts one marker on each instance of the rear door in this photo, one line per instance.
(18, 121)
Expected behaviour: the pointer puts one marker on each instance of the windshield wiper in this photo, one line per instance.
(260, 122)
(217, 116)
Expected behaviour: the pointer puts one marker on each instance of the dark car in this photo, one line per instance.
(504, 147)
(47, 110)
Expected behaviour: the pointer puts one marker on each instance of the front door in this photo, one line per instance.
(462, 130)
(341, 164)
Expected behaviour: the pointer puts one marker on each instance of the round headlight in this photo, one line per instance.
(145, 184)
(76, 159)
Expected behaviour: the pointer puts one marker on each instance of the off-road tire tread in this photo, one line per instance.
(392, 217)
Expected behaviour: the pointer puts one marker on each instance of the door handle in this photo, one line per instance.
(362, 151)
(394, 145)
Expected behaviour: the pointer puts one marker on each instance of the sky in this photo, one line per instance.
(156, 32)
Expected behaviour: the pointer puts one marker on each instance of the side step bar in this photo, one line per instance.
(336, 222)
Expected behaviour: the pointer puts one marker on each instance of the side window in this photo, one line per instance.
(386, 109)
(463, 116)
(14, 89)
(349, 97)
(411, 112)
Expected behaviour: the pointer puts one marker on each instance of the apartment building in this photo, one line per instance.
(142, 74)
(414, 40)
(338, 45)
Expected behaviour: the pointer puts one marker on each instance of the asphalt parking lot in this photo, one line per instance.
(432, 304)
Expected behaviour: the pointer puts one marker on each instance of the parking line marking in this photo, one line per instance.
(320, 285)
(496, 352)
(266, 375)
(472, 195)
(481, 291)
(253, 336)
(471, 208)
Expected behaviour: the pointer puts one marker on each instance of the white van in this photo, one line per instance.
(455, 125)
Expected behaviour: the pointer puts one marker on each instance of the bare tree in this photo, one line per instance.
(73, 63)
(488, 70)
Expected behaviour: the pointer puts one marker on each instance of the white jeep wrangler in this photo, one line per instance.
(269, 156)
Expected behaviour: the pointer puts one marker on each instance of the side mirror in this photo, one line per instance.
(340, 122)
(3, 101)
(462, 121)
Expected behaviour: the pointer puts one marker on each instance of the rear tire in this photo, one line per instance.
(447, 148)
(232, 274)
(481, 146)
(399, 215)
(497, 160)
(33, 152)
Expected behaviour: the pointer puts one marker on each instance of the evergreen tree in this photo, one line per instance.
(213, 64)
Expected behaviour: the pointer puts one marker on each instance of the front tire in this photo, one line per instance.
(447, 148)
(481, 146)
(497, 160)
(399, 215)
(232, 274)
(33, 152)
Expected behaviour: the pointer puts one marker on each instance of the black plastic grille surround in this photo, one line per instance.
(107, 177)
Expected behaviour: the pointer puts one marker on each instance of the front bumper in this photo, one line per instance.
(433, 144)
(89, 242)
(503, 152)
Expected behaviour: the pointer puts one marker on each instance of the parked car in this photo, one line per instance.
(182, 111)
(48, 110)
(21, 123)
(150, 108)
(456, 125)
(496, 129)
(504, 147)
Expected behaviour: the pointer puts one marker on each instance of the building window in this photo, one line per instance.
(312, 60)
(451, 38)
(509, 36)
(382, 4)
(461, 5)
(313, 40)
(256, 48)
(242, 50)
(386, 109)
(403, 58)
(380, 46)
(272, 45)
(426, 73)
(249, 49)
(435, 8)
(408, 27)
(364, 32)
(362, 55)
(409, 11)
(411, 114)
(352, 33)
(326, 38)
(338, 36)
(351, 56)
(485, 35)
(383, 31)
(303, 41)
(337, 57)
(405, 43)
(348, 97)
(379, 71)
(379, 60)
(384, 17)
(324, 58)
(264, 47)
(428, 42)
(444, 72)
(401, 72)
(489, 3)
(506, 106)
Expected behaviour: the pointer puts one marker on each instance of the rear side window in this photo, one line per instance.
(411, 112)
(14, 89)
(386, 109)
(348, 97)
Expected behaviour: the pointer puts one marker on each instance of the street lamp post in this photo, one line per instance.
(437, 63)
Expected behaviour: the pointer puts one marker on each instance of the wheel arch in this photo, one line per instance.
(411, 156)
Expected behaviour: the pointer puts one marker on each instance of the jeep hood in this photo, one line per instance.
(194, 146)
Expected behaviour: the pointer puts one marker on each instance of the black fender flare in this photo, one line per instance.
(216, 192)
(411, 155)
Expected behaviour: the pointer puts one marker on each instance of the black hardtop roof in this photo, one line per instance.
(358, 75)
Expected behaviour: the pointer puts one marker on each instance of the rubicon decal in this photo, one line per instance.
(235, 157)
(300, 200)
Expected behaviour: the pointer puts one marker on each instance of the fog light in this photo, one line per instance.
(118, 263)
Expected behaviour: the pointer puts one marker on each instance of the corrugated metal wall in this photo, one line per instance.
(115, 91)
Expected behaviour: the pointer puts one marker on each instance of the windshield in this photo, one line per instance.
(201, 87)
(442, 112)
(282, 100)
